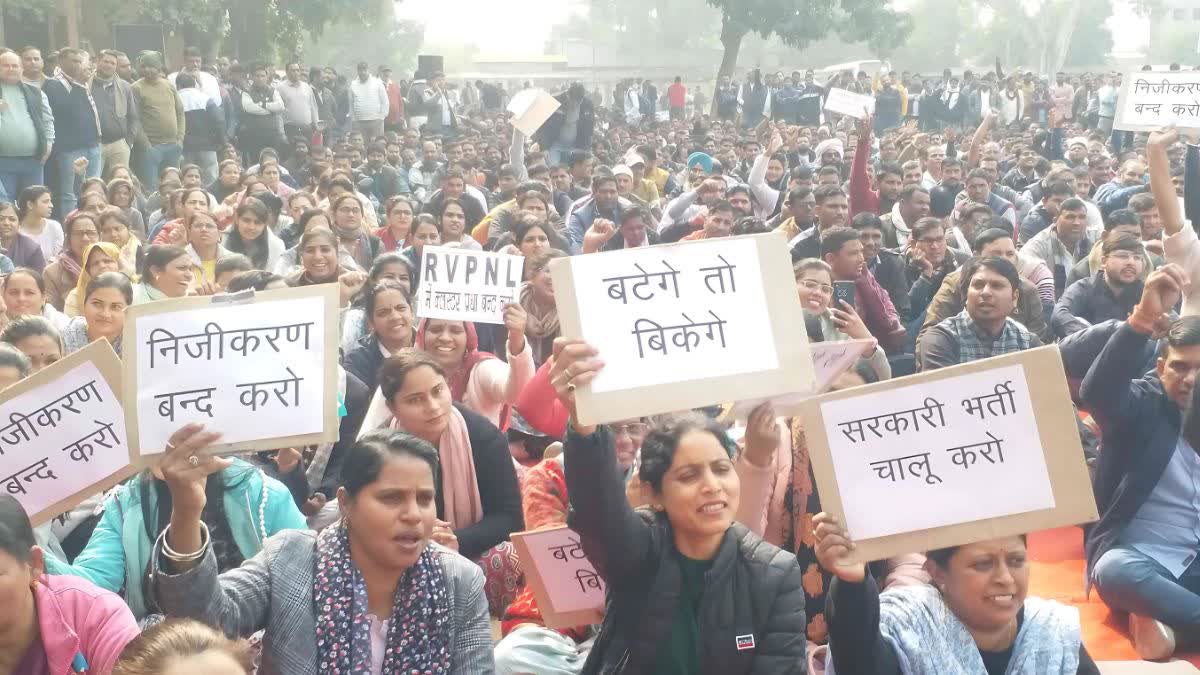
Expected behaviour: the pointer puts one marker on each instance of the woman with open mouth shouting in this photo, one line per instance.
(689, 590)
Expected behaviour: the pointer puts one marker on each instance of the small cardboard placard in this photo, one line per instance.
(1149, 101)
(567, 589)
(973, 452)
(65, 438)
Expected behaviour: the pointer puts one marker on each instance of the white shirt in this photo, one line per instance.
(208, 84)
(368, 100)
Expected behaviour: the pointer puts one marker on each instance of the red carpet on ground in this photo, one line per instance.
(1057, 573)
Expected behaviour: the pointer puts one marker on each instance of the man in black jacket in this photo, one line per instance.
(570, 127)
(1109, 294)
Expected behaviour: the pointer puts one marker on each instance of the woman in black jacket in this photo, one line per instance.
(688, 589)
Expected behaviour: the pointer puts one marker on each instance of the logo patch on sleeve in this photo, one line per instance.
(745, 642)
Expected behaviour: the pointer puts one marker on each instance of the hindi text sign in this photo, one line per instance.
(685, 325)
(981, 450)
(567, 589)
(262, 371)
(462, 285)
(1151, 100)
(63, 438)
(830, 361)
(850, 104)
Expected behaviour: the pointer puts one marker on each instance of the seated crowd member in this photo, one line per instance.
(1110, 294)
(984, 328)
(1140, 553)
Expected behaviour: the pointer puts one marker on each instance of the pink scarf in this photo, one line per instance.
(460, 484)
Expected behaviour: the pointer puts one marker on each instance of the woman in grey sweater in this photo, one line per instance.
(370, 594)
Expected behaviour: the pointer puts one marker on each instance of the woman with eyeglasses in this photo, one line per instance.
(204, 247)
(62, 275)
(352, 237)
(814, 285)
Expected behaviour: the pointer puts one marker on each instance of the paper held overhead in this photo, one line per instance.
(685, 325)
(531, 108)
(850, 104)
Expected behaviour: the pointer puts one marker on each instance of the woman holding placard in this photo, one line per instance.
(481, 504)
(166, 273)
(389, 312)
(53, 624)
(105, 299)
(242, 506)
(98, 258)
(478, 380)
(975, 619)
(25, 295)
(689, 589)
(377, 592)
(251, 236)
(63, 274)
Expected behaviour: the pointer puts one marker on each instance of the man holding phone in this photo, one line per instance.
(856, 288)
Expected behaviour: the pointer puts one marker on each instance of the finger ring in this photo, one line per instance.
(571, 386)
(194, 460)
(170, 445)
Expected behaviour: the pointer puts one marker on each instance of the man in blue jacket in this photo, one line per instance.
(1142, 554)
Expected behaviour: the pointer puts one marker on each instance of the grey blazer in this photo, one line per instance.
(273, 591)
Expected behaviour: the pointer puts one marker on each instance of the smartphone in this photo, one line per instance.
(843, 291)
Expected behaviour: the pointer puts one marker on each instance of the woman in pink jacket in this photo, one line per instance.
(57, 625)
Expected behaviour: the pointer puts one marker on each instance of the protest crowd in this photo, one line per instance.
(957, 218)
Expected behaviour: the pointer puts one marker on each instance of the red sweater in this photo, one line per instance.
(862, 198)
(539, 405)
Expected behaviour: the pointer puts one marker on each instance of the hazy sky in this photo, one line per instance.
(521, 27)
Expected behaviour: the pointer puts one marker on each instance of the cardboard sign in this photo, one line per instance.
(830, 361)
(850, 104)
(982, 450)
(685, 325)
(1151, 100)
(462, 285)
(64, 438)
(259, 367)
(567, 589)
(531, 108)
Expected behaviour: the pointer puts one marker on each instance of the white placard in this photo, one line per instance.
(950, 451)
(252, 371)
(531, 108)
(1151, 100)
(60, 439)
(830, 361)
(463, 285)
(850, 104)
(673, 314)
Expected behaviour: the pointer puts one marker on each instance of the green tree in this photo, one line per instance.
(253, 29)
(798, 23)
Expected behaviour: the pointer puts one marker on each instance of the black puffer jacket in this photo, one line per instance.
(752, 588)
